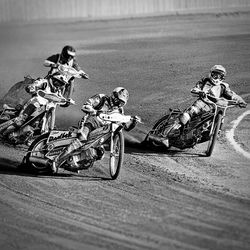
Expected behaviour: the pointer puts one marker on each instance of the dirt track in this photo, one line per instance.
(174, 200)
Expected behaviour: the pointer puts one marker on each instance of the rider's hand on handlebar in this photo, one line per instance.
(55, 65)
(242, 104)
(71, 101)
(136, 119)
(30, 89)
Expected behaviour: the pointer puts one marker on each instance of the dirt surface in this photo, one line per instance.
(161, 200)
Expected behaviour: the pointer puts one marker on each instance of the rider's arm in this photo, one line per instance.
(231, 95)
(75, 65)
(91, 104)
(51, 61)
(198, 87)
(131, 124)
(78, 68)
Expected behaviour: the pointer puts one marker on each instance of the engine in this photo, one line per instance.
(86, 158)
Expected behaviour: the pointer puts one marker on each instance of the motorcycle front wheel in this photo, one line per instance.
(116, 155)
(214, 135)
(35, 158)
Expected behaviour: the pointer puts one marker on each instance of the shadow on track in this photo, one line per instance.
(136, 147)
(11, 167)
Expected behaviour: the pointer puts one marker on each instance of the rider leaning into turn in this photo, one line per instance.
(66, 57)
(212, 85)
(48, 84)
(31, 105)
(99, 103)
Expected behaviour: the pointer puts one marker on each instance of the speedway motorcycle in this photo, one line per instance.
(43, 119)
(65, 75)
(105, 144)
(204, 127)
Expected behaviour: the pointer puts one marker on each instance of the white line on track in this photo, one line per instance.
(230, 135)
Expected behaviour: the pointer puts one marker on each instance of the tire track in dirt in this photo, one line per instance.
(230, 134)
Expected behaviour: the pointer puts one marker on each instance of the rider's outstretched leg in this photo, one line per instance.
(75, 144)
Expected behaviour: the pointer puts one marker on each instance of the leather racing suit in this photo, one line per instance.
(94, 105)
(205, 86)
(32, 105)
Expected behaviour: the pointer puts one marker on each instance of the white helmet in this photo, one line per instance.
(217, 74)
(119, 96)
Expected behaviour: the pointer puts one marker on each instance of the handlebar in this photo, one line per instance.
(222, 102)
(118, 117)
(53, 97)
(68, 70)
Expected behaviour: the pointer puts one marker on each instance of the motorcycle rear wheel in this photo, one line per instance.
(214, 135)
(162, 127)
(37, 149)
(116, 158)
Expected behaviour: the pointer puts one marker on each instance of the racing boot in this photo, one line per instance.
(9, 130)
(12, 138)
(178, 125)
(5, 125)
(158, 140)
(100, 152)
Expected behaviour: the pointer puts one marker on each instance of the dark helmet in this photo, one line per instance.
(119, 96)
(68, 52)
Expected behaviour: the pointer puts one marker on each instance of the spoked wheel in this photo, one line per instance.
(116, 155)
(214, 135)
(161, 129)
(35, 158)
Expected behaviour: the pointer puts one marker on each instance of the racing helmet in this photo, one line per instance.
(217, 74)
(68, 52)
(119, 96)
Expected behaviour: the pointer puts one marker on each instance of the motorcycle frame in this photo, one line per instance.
(92, 142)
(218, 109)
(44, 111)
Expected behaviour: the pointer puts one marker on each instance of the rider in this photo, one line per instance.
(49, 84)
(212, 85)
(66, 57)
(93, 107)
(32, 104)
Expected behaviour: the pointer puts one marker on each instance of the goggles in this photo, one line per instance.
(217, 75)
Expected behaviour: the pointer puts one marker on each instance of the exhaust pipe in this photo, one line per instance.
(160, 140)
(39, 160)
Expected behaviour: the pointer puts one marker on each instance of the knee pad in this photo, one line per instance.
(83, 133)
(184, 118)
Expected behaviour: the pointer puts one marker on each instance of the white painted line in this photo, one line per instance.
(230, 135)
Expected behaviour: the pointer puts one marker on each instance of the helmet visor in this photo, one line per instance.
(117, 101)
(217, 75)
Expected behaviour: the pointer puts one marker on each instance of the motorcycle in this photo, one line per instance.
(43, 119)
(40, 122)
(204, 127)
(65, 74)
(105, 143)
